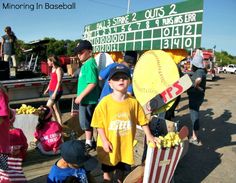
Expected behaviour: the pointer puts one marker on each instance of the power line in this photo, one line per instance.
(107, 4)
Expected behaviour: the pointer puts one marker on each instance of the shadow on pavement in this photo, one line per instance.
(200, 161)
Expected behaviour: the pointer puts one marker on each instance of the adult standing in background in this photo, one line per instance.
(54, 88)
(8, 46)
(196, 93)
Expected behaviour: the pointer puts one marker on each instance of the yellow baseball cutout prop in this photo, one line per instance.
(154, 72)
(177, 54)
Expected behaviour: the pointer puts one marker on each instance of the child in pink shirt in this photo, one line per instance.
(18, 141)
(48, 134)
(4, 128)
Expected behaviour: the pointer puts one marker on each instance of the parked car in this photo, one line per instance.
(220, 69)
(231, 68)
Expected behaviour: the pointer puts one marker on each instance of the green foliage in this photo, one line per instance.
(19, 54)
(223, 58)
(71, 45)
(54, 47)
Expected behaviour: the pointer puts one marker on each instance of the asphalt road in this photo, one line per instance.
(213, 162)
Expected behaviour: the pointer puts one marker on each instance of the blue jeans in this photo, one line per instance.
(194, 116)
(194, 107)
(85, 115)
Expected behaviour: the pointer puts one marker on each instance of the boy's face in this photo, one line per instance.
(84, 55)
(119, 82)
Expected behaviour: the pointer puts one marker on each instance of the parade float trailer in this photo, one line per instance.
(31, 78)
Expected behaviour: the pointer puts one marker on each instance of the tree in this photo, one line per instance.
(223, 58)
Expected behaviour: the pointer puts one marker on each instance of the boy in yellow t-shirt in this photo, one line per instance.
(115, 118)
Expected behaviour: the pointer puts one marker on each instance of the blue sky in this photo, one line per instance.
(219, 26)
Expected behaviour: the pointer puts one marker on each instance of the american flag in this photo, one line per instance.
(74, 108)
(13, 172)
(161, 163)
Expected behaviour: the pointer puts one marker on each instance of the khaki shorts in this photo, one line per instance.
(13, 57)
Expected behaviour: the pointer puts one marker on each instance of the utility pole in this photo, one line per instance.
(214, 58)
(128, 6)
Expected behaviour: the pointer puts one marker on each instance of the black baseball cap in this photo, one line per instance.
(73, 151)
(120, 68)
(129, 59)
(83, 45)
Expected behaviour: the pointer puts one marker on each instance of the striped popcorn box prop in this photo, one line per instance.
(162, 159)
(161, 164)
(13, 172)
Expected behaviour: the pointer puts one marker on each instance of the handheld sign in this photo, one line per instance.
(173, 91)
(172, 26)
(154, 72)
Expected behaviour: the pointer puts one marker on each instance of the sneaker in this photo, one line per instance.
(89, 148)
(195, 142)
(33, 145)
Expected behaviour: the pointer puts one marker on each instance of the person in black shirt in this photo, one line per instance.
(8, 46)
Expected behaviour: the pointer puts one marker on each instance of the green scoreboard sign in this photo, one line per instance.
(168, 27)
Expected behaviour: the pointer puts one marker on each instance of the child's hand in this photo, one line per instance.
(78, 100)
(152, 139)
(45, 92)
(107, 146)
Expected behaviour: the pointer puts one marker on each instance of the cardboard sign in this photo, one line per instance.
(71, 68)
(173, 91)
(154, 72)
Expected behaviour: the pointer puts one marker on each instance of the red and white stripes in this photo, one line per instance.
(161, 164)
(14, 173)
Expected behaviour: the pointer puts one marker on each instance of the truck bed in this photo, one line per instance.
(22, 89)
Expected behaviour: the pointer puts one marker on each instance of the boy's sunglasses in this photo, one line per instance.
(81, 52)
(118, 77)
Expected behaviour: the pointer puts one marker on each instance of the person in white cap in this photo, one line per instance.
(196, 93)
